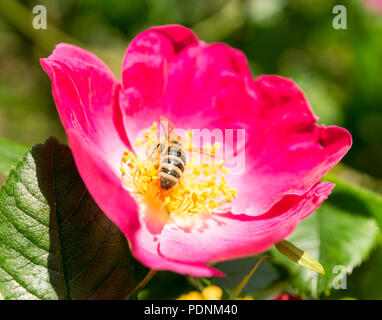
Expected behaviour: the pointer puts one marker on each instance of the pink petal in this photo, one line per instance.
(121, 208)
(286, 152)
(145, 248)
(227, 236)
(86, 92)
(184, 80)
(204, 86)
(104, 185)
(167, 71)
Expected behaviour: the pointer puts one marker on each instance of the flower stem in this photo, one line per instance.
(195, 282)
(141, 285)
(236, 291)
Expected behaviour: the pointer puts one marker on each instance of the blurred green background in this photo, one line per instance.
(339, 70)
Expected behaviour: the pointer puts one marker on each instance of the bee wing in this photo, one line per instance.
(204, 151)
(168, 128)
(167, 125)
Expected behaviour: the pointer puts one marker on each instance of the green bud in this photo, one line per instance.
(300, 257)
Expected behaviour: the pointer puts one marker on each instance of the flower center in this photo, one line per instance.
(200, 188)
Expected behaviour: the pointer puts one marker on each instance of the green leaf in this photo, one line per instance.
(10, 154)
(333, 237)
(356, 199)
(55, 243)
(366, 281)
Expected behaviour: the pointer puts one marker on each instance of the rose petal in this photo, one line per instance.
(121, 208)
(286, 152)
(104, 185)
(226, 236)
(85, 92)
(168, 72)
(210, 87)
(184, 81)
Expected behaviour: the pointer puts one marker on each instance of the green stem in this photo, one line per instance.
(235, 292)
(141, 285)
(195, 282)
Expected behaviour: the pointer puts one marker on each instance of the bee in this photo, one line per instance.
(172, 156)
(172, 164)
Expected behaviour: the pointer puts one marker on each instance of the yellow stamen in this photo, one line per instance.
(215, 148)
(138, 142)
(201, 189)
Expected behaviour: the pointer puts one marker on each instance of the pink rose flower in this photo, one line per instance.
(167, 71)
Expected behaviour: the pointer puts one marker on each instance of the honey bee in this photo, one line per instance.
(172, 164)
(172, 156)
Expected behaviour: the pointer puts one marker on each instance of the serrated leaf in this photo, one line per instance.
(55, 243)
(10, 154)
(366, 281)
(333, 237)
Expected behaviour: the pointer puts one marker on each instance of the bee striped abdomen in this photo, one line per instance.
(172, 165)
